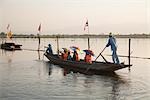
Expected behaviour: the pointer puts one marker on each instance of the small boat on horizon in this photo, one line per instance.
(10, 45)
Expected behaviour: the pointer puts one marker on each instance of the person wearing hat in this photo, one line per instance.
(69, 56)
(88, 58)
(65, 54)
(75, 56)
(49, 49)
(112, 43)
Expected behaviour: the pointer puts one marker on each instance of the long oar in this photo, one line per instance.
(131, 56)
(104, 58)
(100, 54)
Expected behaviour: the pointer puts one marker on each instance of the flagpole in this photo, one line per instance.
(88, 39)
(87, 25)
(38, 36)
(39, 41)
(9, 33)
(57, 44)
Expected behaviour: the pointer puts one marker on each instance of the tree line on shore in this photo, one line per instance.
(4, 35)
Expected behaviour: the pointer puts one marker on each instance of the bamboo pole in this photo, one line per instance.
(88, 43)
(39, 41)
(57, 45)
(88, 38)
(129, 53)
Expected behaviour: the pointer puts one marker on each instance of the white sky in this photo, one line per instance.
(69, 16)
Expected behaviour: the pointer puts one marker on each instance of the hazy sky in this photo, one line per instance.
(69, 16)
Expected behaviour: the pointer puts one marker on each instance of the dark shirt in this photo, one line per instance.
(112, 43)
(49, 50)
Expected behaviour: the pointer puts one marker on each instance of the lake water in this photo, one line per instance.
(27, 75)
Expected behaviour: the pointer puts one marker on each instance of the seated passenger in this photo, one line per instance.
(69, 56)
(61, 55)
(65, 55)
(75, 56)
(88, 58)
(49, 49)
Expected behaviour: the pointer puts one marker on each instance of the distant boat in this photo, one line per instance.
(81, 66)
(10, 45)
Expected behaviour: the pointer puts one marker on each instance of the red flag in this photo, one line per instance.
(39, 28)
(86, 25)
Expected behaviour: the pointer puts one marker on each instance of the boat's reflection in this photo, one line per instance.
(48, 68)
(85, 72)
(112, 80)
(66, 70)
(118, 85)
(8, 55)
(39, 55)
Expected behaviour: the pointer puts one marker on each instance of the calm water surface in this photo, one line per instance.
(27, 75)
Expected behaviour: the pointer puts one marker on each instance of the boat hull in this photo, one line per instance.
(83, 67)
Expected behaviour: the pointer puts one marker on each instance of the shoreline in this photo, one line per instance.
(79, 36)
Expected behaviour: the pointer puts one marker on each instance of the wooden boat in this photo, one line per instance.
(81, 66)
(95, 67)
(10, 46)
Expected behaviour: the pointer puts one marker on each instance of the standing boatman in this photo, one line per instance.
(112, 43)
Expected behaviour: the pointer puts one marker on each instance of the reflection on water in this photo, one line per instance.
(27, 75)
(39, 57)
(113, 81)
(8, 55)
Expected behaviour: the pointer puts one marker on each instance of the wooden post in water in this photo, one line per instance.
(129, 53)
(88, 36)
(88, 43)
(39, 55)
(38, 35)
(39, 41)
(57, 45)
